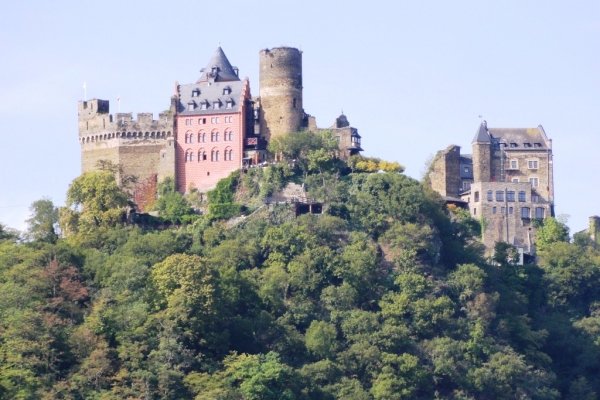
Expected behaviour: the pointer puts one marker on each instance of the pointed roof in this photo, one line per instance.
(219, 69)
(482, 135)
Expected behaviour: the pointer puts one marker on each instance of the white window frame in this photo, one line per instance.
(533, 163)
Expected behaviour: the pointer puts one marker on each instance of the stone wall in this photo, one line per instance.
(503, 219)
(142, 147)
(280, 84)
(444, 173)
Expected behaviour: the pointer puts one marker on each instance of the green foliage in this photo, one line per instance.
(384, 296)
(221, 200)
(551, 231)
(171, 204)
(93, 200)
(43, 221)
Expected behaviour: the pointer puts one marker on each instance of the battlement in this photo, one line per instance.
(96, 123)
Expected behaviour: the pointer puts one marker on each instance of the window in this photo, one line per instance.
(514, 164)
(474, 211)
(502, 210)
(515, 180)
(228, 119)
(466, 185)
(513, 144)
(217, 105)
(525, 212)
(228, 154)
(510, 210)
(510, 195)
(201, 155)
(204, 105)
(196, 92)
(229, 104)
(214, 120)
(476, 197)
(532, 164)
(522, 196)
(499, 195)
(191, 106)
(189, 155)
(539, 212)
(534, 182)
(214, 155)
(490, 195)
(527, 145)
(494, 210)
(201, 137)
(535, 198)
(538, 145)
(214, 136)
(226, 90)
(228, 136)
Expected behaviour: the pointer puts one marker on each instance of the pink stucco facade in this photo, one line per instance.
(210, 146)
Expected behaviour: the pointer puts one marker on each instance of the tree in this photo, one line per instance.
(43, 221)
(171, 204)
(93, 200)
(551, 231)
(321, 338)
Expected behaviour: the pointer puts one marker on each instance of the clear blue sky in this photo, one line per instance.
(412, 76)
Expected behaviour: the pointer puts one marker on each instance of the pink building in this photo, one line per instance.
(214, 118)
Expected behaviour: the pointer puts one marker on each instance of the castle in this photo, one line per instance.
(212, 127)
(506, 183)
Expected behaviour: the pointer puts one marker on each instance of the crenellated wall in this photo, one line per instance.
(142, 147)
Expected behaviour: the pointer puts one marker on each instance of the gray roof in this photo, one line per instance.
(513, 138)
(219, 69)
(521, 138)
(482, 135)
(208, 93)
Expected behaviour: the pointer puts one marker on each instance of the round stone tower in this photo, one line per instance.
(280, 91)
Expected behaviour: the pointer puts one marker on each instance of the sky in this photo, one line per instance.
(412, 76)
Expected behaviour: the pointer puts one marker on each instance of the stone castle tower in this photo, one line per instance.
(212, 127)
(280, 91)
(506, 183)
(142, 147)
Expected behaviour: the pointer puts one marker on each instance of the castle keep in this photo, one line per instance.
(212, 127)
(506, 183)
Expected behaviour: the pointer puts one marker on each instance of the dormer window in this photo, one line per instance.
(229, 103)
(191, 106)
(204, 105)
(537, 145)
(196, 92)
(214, 70)
(527, 145)
(513, 145)
(217, 104)
(226, 90)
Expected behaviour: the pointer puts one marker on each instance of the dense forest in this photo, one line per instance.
(385, 295)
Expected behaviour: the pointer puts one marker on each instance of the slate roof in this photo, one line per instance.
(209, 93)
(218, 83)
(219, 69)
(513, 138)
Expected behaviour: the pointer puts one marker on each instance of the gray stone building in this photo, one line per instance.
(507, 182)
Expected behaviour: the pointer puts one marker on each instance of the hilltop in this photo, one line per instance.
(382, 293)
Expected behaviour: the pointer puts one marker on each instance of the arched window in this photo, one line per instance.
(228, 154)
(214, 155)
(189, 155)
(201, 137)
(201, 155)
(228, 135)
(214, 136)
